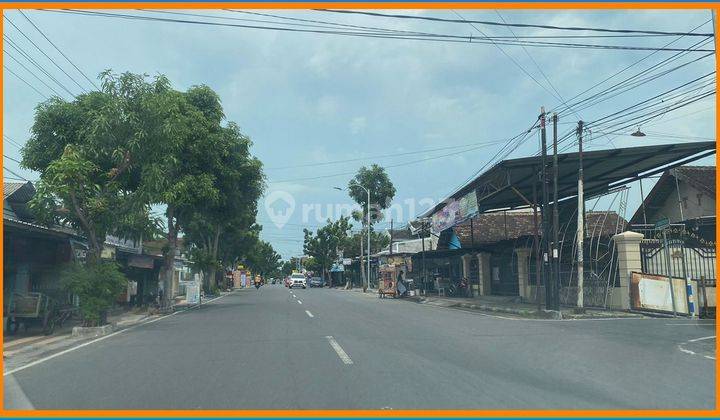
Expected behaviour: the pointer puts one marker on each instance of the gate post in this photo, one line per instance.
(484, 273)
(523, 255)
(628, 257)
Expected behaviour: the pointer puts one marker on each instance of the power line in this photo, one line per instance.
(518, 25)
(533, 60)
(386, 166)
(31, 72)
(13, 142)
(511, 145)
(646, 101)
(43, 53)
(61, 53)
(375, 28)
(25, 81)
(37, 65)
(15, 173)
(424, 37)
(12, 159)
(633, 64)
(508, 56)
(386, 155)
(628, 84)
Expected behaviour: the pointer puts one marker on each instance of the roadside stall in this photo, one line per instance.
(387, 286)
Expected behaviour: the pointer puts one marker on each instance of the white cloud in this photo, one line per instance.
(358, 124)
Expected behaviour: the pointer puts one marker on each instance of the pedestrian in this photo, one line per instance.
(400, 285)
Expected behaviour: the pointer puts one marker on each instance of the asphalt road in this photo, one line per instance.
(263, 349)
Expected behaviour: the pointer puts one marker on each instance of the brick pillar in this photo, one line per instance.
(523, 255)
(628, 256)
(466, 266)
(484, 273)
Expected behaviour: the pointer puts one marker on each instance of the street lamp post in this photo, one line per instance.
(367, 214)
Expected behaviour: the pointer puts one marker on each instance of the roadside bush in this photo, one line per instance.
(97, 287)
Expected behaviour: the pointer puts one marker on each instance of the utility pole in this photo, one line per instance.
(391, 236)
(368, 238)
(545, 221)
(556, 222)
(424, 274)
(581, 220)
(536, 245)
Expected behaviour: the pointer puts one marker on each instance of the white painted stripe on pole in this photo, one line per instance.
(105, 337)
(309, 314)
(339, 350)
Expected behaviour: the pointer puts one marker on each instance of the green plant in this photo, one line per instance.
(97, 287)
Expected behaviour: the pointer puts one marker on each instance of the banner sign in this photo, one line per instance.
(192, 293)
(468, 205)
(445, 218)
(140, 261)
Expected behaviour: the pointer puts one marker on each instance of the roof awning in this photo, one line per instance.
(509, 184)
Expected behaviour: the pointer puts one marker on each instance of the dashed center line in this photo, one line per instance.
(300, 302)
(309, 314)
(339, 350)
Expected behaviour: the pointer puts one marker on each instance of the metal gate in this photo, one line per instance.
(678, 258)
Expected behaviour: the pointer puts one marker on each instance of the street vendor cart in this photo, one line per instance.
(35, 308)
(387, 284)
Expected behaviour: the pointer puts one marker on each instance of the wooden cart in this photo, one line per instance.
(387, 285)
(33, 308)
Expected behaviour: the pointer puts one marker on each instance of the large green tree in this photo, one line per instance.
(324, 244)
(381, 192)
(262, 259)
(240, 182)
(183, 178)
(91, 154)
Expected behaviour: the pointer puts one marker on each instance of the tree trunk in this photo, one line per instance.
(212, 281)
(168, 267)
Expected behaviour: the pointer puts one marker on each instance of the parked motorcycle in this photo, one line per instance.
(461, 289)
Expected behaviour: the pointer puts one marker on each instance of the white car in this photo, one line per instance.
(298, 280)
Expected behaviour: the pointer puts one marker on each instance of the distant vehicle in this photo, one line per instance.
(298, 280)
(273, 281)
(317, 282)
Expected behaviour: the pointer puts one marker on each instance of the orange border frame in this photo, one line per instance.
(364, 413)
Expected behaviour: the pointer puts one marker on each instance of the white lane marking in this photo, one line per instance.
(105, 337)
(694, 340)
(339, 350)
(300, 301)
(696, 324)
(701, 339)
(685, 350)
(309, 314)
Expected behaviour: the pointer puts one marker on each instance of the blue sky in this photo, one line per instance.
(310, 99)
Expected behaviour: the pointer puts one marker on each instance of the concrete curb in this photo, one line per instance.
(525, 313)
(89, 332)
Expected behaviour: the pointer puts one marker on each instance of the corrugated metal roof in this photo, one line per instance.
(9, 188)
(509, 183)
